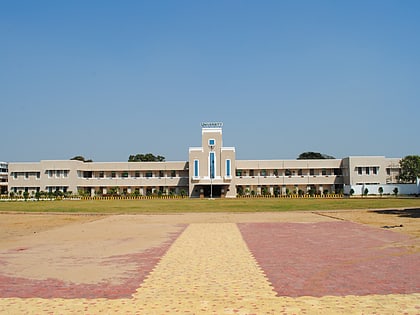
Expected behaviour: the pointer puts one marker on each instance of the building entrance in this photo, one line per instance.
(217, 191)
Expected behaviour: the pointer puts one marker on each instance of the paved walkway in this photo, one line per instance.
(210, 270)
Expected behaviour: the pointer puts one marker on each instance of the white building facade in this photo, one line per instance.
(211, 171)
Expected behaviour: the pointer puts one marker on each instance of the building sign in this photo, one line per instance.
(211, 124)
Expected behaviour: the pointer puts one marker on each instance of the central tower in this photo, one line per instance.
(212, 165)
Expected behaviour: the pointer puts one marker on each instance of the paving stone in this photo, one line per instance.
(209, 269)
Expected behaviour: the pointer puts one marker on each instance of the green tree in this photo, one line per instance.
(410, 169)
(395, 191)
(381, 191)
(351, 192)
(148, 157)
(366, 192)
(314, 156)
(81, 158)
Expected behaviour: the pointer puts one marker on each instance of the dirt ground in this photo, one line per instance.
(405, 221)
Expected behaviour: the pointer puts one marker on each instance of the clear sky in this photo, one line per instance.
(106, 79)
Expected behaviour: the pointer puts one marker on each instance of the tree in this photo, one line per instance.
(410, 169)
(351, 192)
(80, 158)
(366, 192)
(381, 191)
(395, 191)
(314, 156)
(148, 157)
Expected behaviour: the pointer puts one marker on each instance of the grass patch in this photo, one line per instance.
(150, 206)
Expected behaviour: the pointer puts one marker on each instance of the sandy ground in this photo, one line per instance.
(406, 221)
(14, 226)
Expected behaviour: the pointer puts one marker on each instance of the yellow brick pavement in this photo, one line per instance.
(209, 270)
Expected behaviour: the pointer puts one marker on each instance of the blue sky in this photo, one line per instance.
(106, 79)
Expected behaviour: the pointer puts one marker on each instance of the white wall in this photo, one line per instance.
(403, 189)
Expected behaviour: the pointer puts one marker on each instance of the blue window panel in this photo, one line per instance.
(196, 168)
(212, 164)
(212, 142)
(228, 168)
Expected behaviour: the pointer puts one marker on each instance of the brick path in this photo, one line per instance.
(210, 270)
(333, 258)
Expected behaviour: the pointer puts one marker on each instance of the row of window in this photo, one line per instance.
(368, 170)
(196, 172)
(50, 174)
(289, 172)
(57, 173)
(25, 175)
(126, 174)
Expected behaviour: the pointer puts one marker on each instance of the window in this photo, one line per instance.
(196, 168)
(113, 174)
(388, 171)
(137, 174)
(149, 174)
(173, 173)
(276, 172)
(212, 168)
(65, 173)
(375, 170)
(228, 174)
(288, 172)
(312, 172)
(38, 175)
(300, 172)
(238, 172)
(359, 170)
(124, 174)
(212, 142)
(324, 172)
(367, 171)
(101, 174)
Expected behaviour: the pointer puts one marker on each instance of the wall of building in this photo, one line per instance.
(212, 156)
(229, 176)
(4, 172)
(96, 177)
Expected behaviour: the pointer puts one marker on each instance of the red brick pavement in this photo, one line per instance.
(333, 258)
(54, 288)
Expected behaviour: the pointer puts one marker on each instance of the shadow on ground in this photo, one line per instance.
(406, 213)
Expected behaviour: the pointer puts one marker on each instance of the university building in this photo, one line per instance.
(212, 170)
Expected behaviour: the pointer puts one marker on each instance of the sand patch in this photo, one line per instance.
(89, 252)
